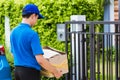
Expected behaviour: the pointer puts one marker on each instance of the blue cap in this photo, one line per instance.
(31, 8)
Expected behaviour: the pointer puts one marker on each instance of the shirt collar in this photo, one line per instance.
(25, 24)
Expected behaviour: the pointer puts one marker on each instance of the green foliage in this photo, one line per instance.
(55, 11)
(59, 12)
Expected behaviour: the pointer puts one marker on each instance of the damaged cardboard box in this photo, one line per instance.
(57, 59)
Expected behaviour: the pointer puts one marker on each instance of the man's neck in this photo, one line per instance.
(26, 21)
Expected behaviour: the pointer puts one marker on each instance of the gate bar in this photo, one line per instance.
(92, 56)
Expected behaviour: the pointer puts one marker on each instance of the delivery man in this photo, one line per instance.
(26, 48)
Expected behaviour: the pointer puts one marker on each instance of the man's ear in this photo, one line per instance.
(32, 16)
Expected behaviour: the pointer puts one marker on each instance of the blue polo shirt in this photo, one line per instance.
(25, 44)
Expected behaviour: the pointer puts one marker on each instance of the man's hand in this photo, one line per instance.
(58, 74)
(46, 65)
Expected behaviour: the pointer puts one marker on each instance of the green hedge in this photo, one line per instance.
(55, 11)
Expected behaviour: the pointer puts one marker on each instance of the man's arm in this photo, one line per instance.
(46, 65)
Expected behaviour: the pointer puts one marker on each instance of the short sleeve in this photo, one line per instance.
(35, 45)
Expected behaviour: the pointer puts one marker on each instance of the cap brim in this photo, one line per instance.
(40, 16)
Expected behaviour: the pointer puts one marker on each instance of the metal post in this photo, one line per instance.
(77, 49)
(66, 47)
(117, 55)
(92, 54)
(7, 31)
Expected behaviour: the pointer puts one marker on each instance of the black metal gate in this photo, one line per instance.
(93, 54)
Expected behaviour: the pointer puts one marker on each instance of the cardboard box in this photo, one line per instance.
(57, 59)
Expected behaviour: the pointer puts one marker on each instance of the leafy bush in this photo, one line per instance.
(54, 11)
